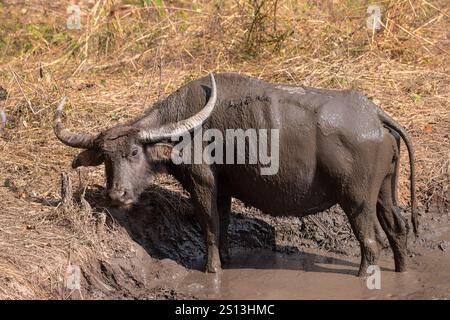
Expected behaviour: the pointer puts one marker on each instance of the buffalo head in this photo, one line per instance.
(130, 154)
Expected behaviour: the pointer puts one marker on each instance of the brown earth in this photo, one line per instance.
(272, 258)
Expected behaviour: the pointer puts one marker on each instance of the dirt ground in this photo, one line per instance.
(272, 258)
(127, 55)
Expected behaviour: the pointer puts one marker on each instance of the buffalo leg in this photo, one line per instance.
(389, 216)
(202, 188)
(224, 208)
(392, 223)
(363, 220)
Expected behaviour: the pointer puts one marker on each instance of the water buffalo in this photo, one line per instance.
(335, 147)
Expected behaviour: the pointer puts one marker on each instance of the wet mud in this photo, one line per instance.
(272, 258)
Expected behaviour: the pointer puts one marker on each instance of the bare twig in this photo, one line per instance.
(22, 91)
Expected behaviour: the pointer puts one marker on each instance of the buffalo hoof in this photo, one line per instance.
(213, 268)
(401, 268)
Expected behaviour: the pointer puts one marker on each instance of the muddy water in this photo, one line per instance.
(271, 267)
(265, 274)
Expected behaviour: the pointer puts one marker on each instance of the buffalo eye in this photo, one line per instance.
(134, 152)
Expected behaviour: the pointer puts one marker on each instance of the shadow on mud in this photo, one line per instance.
(163, 223)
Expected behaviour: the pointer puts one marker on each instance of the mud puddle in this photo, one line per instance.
(313, 274)
(271, 259)
(265, 274)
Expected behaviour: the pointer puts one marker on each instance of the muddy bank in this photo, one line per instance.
(272, 258)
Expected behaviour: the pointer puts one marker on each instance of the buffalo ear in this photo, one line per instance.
(159, 151)
(88, 158)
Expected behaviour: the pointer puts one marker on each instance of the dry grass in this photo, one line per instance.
(130, 53)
